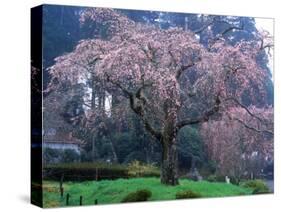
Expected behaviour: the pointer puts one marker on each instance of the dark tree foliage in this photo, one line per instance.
(191, 150)
(61, 30)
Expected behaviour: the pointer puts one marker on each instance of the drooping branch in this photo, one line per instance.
(244, 107)
(236, 101)
(253, 128)
(203, 118)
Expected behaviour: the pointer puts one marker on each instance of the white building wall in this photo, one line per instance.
(62, 146)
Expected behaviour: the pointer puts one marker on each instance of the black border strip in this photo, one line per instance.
(36, 106)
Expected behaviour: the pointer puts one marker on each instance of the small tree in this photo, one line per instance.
(166, 77)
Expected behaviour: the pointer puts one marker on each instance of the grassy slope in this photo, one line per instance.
(107, 191)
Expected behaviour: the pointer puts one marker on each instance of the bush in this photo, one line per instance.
(138, 196)
(258, 186)
(220, 178)
(187, 194)
(70, 156)
(258, 191)
(51, 155)
(211, 178)
(60, 156)
(216, 178)
(86, 156)
(208, 168)
(137, 169)
(84, 171)
(234, 180)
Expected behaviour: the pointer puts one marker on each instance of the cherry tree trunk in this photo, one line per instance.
(169, 169)
(169, 175)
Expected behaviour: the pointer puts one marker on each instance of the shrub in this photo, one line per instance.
(84, 171)
(234, 180)
(220, 178)
(138, 196)
(187, 194)
(211, 178)
(59, 155)
(51, 155)
(86, 156)
(216, 178)
(258, 191)
(258, 186)
(70, 156)
(137, 169)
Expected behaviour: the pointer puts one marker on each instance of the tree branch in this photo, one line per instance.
(137, 102)
(264, 46)
(224, 32)
(204, 118)
(244, 107)
(253, 128)
(231, 28)
(182, 68)
(139, 110)
(251, 114)
(87, 105)
(124, 90)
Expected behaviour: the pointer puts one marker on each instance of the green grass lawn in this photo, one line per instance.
(113, 191)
